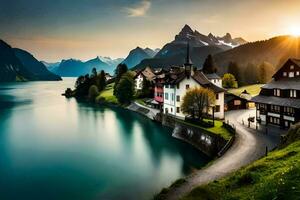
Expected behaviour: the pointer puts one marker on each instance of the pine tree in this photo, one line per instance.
(120, 70)
(234, 69)
(209, 65)
(102, 81)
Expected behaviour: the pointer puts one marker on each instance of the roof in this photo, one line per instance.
(213, 76)
(147, 73)
(203, 81)
(229, 97)
(288, 102)
(293, 60)
(286, 83)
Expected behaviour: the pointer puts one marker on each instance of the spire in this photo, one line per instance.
(188, 58)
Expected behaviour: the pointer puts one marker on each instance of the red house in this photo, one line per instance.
(159, 88)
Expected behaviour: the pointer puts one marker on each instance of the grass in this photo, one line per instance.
(252, 89)
(108, 95)
(276, 176)
(141, 101)
(218, 129)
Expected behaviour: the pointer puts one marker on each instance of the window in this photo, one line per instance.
(274, 120)
(177, 86)
(262, 106)
(171, 110)
(167, 110)
(293, 93)
(291, 74)
(289, 110)
(178, 98)
(187, 86)
(277, 92)
(284, 74)
(172, 86)
(292, 67)
(166, 96)
(237, 102)
(217, 108)
(167, 86)
(217, 96)
(172, 97)
(178, 110)
(297, 73)
(275, 108)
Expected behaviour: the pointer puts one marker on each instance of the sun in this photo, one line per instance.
(294, 31)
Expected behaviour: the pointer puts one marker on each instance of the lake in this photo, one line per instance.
(57, 148)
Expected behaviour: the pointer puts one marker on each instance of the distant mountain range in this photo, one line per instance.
(20, 65)
(201, 46)
(137, 55)
(75, 68)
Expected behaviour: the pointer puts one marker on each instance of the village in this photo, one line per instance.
(277, 104)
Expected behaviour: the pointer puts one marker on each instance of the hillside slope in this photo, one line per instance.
(276, 176)
(275, 51)
(11, 68)
(37, 68)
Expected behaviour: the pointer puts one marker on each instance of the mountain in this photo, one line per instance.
(37, 68)
(174, 53)
(274, 51)
(19, 65)
(75, 68)
(11, 68)
(112, 62)
(137, 55)
(151, 52)
(52, 67)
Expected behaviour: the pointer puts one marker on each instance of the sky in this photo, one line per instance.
(53, 30)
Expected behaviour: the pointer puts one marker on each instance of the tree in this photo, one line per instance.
(196, 101)
(124, 90)
(229, 81)
(209, 65)
(146, 91)
(234, 69)
(265, 72)
(101, 81)
(94, 72)
(93, 92)
(120, 70)
(251, 73)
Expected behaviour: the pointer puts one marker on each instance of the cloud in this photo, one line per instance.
(138, 10)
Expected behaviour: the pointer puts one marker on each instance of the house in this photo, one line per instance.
(215, 79)
(181, 79)
(145, 74)
(108, 76)
(234, 102)
(159, 81)
(279, 100)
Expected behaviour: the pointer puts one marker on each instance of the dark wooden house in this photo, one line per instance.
(279, 100)
(234, 102)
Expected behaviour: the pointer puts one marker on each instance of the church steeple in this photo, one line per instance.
(188, 63)
(188, 60)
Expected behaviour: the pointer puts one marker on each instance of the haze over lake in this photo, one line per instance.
(56, 148)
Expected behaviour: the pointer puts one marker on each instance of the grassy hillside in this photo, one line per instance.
(252, 89)
(276, 176)
(108, 95)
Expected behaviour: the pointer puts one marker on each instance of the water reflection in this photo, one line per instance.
(57, 148)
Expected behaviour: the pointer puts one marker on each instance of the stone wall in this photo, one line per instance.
(207, 142)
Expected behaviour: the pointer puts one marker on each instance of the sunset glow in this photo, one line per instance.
(294, 31)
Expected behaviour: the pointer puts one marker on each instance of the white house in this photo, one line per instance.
(178, 83)
(147, 74)
(215, 79)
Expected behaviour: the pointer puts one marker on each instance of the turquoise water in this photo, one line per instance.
(56, 148)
